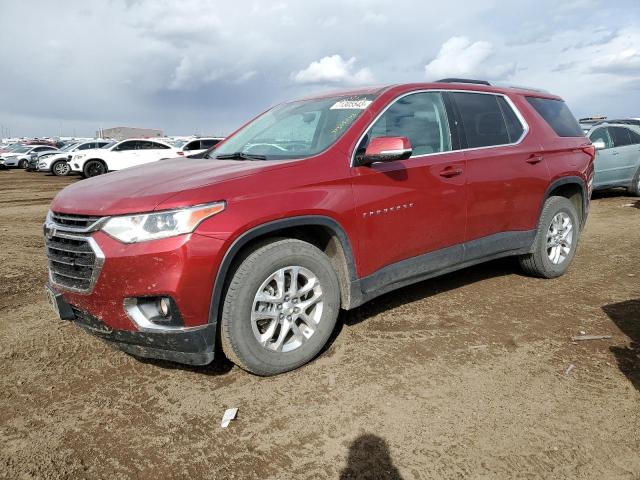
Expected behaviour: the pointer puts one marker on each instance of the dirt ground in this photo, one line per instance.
(462, 376)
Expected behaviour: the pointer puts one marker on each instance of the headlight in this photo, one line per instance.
(155, 225)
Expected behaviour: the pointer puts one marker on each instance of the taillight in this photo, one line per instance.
(590, 150)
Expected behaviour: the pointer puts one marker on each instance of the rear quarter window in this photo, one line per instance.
(557, 115)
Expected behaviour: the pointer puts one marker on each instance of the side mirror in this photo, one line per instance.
(386, 149)
(599, 145)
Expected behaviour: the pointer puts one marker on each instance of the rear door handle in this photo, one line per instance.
(615, 153)
(535, 159)
(450, 172)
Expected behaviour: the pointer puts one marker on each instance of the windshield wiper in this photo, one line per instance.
(240, 156)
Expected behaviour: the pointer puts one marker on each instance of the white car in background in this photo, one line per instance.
(198, 145)
(59, 164)
(119, 155)
(19, 156)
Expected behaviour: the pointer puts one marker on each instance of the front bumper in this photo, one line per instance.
(191, 346)
(183, 268)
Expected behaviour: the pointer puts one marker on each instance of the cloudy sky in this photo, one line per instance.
(205, 66)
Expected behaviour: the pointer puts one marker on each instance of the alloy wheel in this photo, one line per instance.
(287, 309)
(559, 238)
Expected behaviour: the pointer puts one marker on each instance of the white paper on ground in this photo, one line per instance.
(229, 414)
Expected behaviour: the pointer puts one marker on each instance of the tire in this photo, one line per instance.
(550, 257)
(93, 168)
(281, 350)
(23, 164)
(634, 188)
(60, 168)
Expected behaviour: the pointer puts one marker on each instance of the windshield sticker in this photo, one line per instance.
(346, 121)
(351, 104)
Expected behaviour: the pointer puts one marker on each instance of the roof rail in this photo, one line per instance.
(463, 80)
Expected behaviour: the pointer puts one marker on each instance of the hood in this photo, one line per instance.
(143, 188)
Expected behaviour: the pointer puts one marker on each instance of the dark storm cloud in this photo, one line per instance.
(196, 65)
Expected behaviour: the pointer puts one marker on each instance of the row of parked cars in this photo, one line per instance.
(98, 156)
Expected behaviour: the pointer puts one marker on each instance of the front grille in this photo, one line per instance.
(73, 262)
(73, 221)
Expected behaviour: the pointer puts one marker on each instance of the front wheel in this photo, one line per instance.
(280, 307)
(60, 169)
(93, 168)
(23, 164)
(556, 240)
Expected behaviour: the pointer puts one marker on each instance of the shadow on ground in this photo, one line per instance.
(428, 288)
(369, 458)
(626, 315)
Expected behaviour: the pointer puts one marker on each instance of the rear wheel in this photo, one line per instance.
(634, 189)
(60, 168)
(93, 168)
(280, 307)
(556, 240)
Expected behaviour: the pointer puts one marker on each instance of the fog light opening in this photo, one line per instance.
(153, 313)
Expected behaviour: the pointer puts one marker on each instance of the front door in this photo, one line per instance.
(411, 207)
(609, 163)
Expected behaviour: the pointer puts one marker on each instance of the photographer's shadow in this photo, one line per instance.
(626, 315)
(369, 458)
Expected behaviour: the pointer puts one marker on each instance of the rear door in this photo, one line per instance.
(407, 208)
(506, 173)
(149, 151)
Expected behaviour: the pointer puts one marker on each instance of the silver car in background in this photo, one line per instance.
(618, 155)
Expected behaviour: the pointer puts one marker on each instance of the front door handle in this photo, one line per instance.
(535, 159)
(450, 172)
(615, 153)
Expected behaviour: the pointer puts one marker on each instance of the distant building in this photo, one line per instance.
(120, 133)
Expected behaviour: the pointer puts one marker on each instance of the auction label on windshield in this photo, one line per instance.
(351, 104)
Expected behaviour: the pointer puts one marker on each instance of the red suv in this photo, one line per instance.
(314, 206)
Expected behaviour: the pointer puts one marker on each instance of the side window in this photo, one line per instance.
(482, 119)
(602, 135)
(158, 146)
(557, 115)
(125, 146)
(208, 143)
(421, 117)
(635, 137)
(85, 146)
(620, 136)
(515, 129)
(145, 145)
(193, 145)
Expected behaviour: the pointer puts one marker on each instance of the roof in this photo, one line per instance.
(445, 84)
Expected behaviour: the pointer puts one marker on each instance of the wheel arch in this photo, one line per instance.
(323, 232)
(575, 190)
(95, 159)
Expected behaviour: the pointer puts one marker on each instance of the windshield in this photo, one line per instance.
(68, 147)
(109, 145)
(295, 130)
